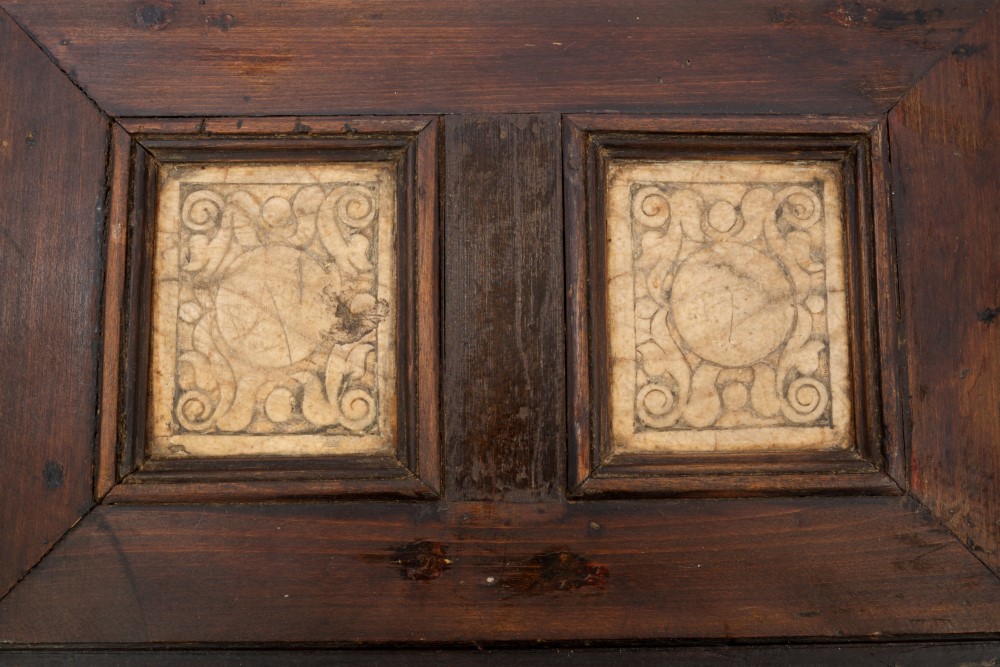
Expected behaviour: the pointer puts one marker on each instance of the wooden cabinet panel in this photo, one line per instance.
(495, 521)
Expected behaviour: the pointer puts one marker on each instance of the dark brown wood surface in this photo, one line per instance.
(885, 575)
(863, 568)
(113, 325)
(912, 654)
(53, 150)
(174, 57)
(504, 374)
(893, 383)
(946, 169)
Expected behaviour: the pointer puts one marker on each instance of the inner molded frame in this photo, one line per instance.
(862, 452)
(142, 458)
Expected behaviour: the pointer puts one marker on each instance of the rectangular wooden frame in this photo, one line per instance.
(124, 472)
(874, 464)
(794, 580)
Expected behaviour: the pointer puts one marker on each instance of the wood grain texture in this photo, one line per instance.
(235, 486)
(168, 57)
(892, 374)
(862, 568)
(504, 366)
(424, 370)
(620, 573)
(53, 146)
(945, 138)
(868, 654)
(113, 326)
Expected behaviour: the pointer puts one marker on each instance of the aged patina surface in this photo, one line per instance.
(273, 310)
(727, 313)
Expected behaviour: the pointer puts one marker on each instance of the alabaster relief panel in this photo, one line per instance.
(273, 311)
(727, 319)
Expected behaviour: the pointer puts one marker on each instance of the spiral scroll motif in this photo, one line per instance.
(353, 205)
(650, 207)
(738, 271)
(657, 405)
(800, 206)
(195, 410)
(357, 409)
(805, 400)
(202, 210)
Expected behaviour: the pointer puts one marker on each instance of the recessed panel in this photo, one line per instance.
(727, 314)
(274, 311)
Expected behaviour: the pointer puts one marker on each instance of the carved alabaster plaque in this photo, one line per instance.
(726, 307)
(274, 311)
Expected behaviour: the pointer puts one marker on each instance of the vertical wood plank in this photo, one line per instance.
(53, 147)
(504, 367)
(892, 369)
(580, 443)
(428, 298)
(116, 248)
(945, 139)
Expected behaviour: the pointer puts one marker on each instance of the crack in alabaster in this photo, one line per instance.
(274, 310)
(726, 311)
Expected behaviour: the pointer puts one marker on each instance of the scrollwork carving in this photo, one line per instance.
(279, 308)
(202, 210)
(729, 305)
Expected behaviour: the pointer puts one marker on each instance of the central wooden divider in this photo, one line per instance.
(504, 314)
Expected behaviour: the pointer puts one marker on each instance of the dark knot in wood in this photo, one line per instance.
(555, 571)
(422, 560)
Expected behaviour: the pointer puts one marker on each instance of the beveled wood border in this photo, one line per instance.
(803, 571)
(123, 472)
(875, 463)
